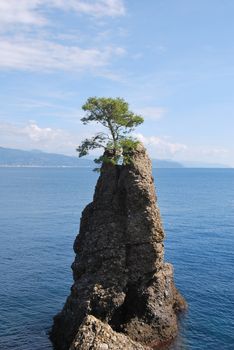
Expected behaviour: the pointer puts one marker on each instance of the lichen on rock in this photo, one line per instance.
(120, 276)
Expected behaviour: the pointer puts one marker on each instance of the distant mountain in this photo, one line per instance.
(161, 163)
(15, 157)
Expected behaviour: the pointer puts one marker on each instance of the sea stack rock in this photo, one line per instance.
(123, 291)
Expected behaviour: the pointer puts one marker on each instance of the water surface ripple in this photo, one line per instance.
(39, 215)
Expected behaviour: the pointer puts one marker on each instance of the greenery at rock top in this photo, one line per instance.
(114, 115)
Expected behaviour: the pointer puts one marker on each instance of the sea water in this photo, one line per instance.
(40, 210)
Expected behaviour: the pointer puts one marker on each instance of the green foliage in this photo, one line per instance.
(128, 146)
(97, 141)
(113, 114)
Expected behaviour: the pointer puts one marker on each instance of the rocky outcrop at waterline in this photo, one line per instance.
(94, 334)
(122, 286)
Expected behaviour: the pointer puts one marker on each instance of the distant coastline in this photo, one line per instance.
(16, 158)
(44, 166)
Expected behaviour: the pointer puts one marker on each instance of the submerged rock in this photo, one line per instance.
(119, 272)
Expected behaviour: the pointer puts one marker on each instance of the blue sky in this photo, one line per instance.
(173, 61)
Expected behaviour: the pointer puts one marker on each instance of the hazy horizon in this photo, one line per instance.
(181, 162)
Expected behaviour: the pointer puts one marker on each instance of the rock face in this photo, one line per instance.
(119, 273)
(96, 335)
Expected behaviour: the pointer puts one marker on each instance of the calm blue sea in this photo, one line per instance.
(39, 219)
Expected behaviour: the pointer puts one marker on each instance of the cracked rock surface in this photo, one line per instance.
(122, 286)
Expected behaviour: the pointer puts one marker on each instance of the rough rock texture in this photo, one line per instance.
(96, 335)
(119, 273)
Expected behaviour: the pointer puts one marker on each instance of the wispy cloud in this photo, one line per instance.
(160, 146)
(165, 148)
(32, 54)
(31, 131)
(97, 8)
(20, 12)
(32, 136)
(37, 48)
(30, 12)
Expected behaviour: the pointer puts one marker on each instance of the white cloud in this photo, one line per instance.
(37, 49)
(30, 12)
(30, 131)
(32, 136)
(96, 8)
(20, 12)
(32, 54)
(164, 148)
(37, 134)
(152, 113)
(161, 147)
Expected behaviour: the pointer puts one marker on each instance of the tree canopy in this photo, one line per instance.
(115, 116)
